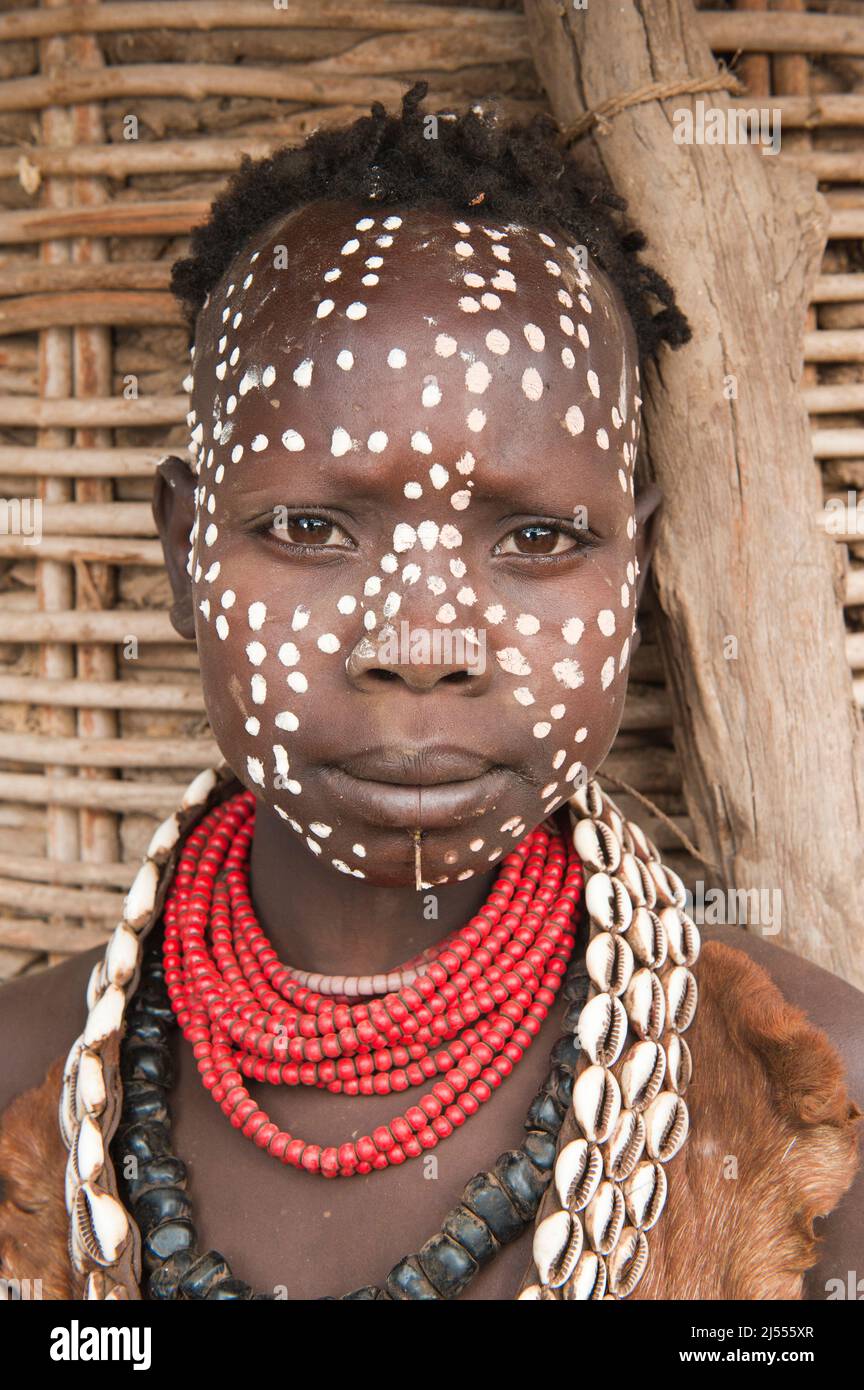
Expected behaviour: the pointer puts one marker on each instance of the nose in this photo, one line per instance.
(421, 658)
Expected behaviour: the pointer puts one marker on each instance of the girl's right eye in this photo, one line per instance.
(309, 532)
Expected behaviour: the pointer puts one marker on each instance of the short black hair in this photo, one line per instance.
(521, 172)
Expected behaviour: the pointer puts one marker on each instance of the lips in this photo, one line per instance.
(435, 788)
(423, 767)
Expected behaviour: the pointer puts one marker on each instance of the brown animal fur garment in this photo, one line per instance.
(772, 1146)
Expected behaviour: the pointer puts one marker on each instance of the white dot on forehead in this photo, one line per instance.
(567, 357)
(287, 719)
(431, 393)
(477, 378)
(445, 346)
(593, 383)
(288, 654)
(350, 247)
(475, 420)
(534, 336)
(574, 420)
(463, 248)
(580, 735)
(546, 239)
(567, 325)
(293, 441)
(364, 224)
(497, 342)
(490, 301)
(469, 305)
(396, 358)
(356, 310)
(553, 267)
(421, 442)
(345, 360)
(413, 490)
(268, 376)
(438, 476)
(374, 262)
(505, 280)
(523, 695)
(259, 443)
(253, 725)
(565, 299)
(384, 241)
(532, 384)
(603, 439)
(300, 618)
(222, 626)
(527, 624)
(461, 227)
(572, 630)
(257, 614)
(369, 280)
(569, 673)
(303, 374)
(473, 280)
(377, 441)
(391, 223)
(324, 308)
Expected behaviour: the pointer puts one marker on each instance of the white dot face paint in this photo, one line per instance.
(486, 367)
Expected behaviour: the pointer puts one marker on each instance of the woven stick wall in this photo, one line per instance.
(119, 123)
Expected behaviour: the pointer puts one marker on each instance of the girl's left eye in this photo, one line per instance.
(540, 538)
(309, 531)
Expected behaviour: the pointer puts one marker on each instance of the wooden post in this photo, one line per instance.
(750, 591)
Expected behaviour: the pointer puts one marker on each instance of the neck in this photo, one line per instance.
(318, 919)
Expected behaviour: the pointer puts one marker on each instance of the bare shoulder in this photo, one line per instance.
(41, 1015)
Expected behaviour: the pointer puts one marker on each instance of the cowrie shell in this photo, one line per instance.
(627, 1262)
(681, 997)
(578, 1170)
(89, 1150)
(608, 903)
(645, 1002)
(647, 936)
(558, 1241)
(614, 821)
(645, 1194)
(164, 838)
(602, 1029)
(609, 962)
(121, 958)
(604, 1218)
(643, 1072)
(640, 845)
(105, 1017)
(596, 846)
(588, 800)
(141, 896)
(90, 1093)
(666, 1125)
(637, 880)
(99, 1227)
(66, 1113)
(198, 789)
(588, 1280)
(96, 983)
(626, 1146)
(670, 889)
(682, 935)
(596, 1102)
(679, 1062)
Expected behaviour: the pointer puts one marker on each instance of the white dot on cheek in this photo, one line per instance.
(497, 342)
(303, 374)
(222, 626)
(445, 346)
(258, 686)
(253, 725)
(257, 614)
(396, 358)
(288, 654)
(345, 360)
(356, 310)
(532, 384)
(328, 642)
(295, 680)
(347, 603)
(541, 729)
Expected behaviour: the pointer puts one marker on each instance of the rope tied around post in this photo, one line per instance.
(652, 91)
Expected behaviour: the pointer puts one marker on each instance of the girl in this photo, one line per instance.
(407, 938)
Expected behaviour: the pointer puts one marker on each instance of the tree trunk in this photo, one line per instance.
(750, 590)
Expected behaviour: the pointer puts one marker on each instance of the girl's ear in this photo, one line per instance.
(174, 513)
(648, 503)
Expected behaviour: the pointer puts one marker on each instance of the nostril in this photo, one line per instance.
(382, 675)
(457, 677)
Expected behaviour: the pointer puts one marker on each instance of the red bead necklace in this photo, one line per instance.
(467, 1019)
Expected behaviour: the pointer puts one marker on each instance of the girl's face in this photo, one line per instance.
(413, 561)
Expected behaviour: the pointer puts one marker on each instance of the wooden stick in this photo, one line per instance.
(834, 345)
(109, 752)
(832, 400)
(31, 312)
(224, 14)
(73, 902)
(838, 444)
(156, 799)
(79, 625)
(33, 934)
(109, 412)
(33, 870)
(127, 694)
(21, 460)
(84, 548)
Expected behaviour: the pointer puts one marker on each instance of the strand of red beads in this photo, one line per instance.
(484, 995)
